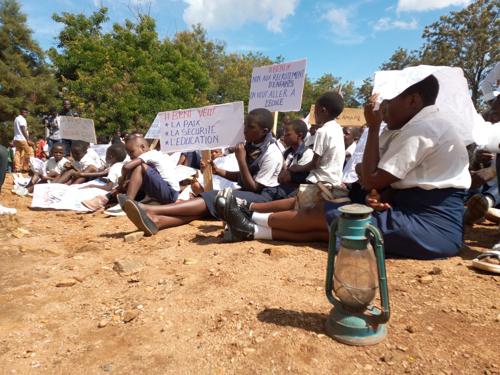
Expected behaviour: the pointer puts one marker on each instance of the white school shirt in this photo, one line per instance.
(329, 145)
(20, 122)
(115, 172)
(307, 156)
(90, 158)
(349, 175)
(426, 153)
(163, 165)
(270, 167)
(57, 166)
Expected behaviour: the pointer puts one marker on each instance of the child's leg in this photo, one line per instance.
(274, 206)
(164, 222)
(191, 208)
(302, 221)
(65, 177)
(135, 180)
(81, 180)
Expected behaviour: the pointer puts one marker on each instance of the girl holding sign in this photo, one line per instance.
(260, 162)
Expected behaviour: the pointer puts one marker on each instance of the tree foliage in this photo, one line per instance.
(25, 79)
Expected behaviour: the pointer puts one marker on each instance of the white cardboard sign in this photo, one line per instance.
(278, 87)
(154, 130)
(202, 128)
(77, 129)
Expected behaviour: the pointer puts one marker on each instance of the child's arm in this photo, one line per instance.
(249, 184)
(371, 176)
(127, 167)
(93, 175)
(313, 164)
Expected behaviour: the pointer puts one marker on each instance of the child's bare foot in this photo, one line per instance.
(96, 203)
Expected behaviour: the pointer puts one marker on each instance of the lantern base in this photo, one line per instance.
(355, 329)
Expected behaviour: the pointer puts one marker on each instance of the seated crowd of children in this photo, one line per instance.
(409, 165)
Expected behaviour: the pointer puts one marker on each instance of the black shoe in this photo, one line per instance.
(220, 205)
(240, 226)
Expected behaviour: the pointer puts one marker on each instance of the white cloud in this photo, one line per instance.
(386, 23)
(424, 5)
(342, 27)
(219, 14)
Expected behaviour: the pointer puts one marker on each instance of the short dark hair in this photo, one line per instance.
(298, 127)
(79, 146)
(58, 144)
(427, 89)
(262, 117)
(24, 109)
(118, 151)
(332, 101)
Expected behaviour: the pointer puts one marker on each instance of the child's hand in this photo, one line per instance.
(373, 200)
(373, 118)
(240, 152)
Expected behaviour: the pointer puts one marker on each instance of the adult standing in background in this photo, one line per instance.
(3, 168)
(67, 111)
(22, 143)
(51, 122)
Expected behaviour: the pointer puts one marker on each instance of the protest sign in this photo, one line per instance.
(64, 197)
(101, 151)
(77, 129)
(278, 87)
(201, 128)
(352, 117)
(154, 130)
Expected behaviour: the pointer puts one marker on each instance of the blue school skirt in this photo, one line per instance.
(422, 224)
(266, 195)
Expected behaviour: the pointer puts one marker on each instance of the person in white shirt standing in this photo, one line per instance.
(22, 143)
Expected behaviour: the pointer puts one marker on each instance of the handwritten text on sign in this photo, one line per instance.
(77, 129)
(201, 128)
(279, 87)
(352, 117)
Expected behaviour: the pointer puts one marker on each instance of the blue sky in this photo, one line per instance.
(349, 39)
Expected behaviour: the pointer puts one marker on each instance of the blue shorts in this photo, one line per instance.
(157, 188)
(422, 224)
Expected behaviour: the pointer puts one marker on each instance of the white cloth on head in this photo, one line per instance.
(164, 165)
(329, 146)
(270, 167)
(490, 85)
(453, 99)
(426, 153)
(20, 122)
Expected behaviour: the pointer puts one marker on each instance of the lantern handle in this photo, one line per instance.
(382, 276)
(330, 264)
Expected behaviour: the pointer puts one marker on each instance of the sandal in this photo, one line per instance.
(488, 261)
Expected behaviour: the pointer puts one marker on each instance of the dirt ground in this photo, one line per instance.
(75, 298)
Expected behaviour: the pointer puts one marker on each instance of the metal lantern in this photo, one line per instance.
(354, 272)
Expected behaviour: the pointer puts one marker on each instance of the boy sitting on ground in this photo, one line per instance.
(149, 173)
(86, 161)
(52, 169)
(115, 156)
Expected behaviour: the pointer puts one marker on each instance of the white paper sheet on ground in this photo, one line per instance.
(20, 180)
(64, 197)
(453, 98)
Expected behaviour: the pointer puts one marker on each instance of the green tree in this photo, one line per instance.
(469, 38)
(401, 59)
(328, 82)
(122, 78)
(25, 80)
